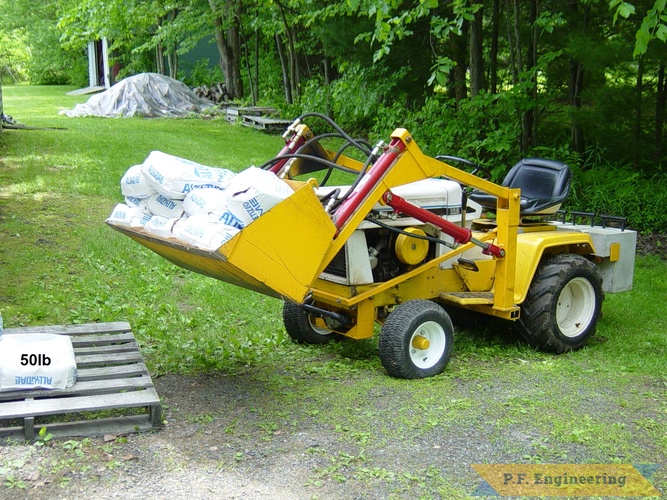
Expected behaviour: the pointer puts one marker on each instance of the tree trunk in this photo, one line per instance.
(172, 61)
(228, 41)
(576, 80)
(517, 36)
(637, 132)
(576, 84)
(476, 54)
(459, 88)
(493, 54)
(511, 42)
(295, 70)
(292, 59)
(327, 83)
(172, 55)
(660, 102)
(516, 59)
(256, 95)
(283, 65)
(529, 120)
(246, 55)
(159, 59)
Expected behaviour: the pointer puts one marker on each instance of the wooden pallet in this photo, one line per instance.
(265, 123)
(112, 378)
(235, 114)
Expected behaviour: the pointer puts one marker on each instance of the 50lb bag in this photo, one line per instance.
(36, 361)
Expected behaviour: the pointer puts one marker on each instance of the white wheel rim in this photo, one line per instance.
(318, 329)
(576, 307)
(429, 357)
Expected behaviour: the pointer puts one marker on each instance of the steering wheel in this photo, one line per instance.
(476, 169)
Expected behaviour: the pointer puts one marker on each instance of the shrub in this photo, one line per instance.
(354, 100)
(14, 57)
(616, 190)
(203, 74)
(484, 129)
(51, 64)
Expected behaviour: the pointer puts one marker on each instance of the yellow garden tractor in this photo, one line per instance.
(409, 240)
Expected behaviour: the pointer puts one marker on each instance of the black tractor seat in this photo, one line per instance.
(544, 184)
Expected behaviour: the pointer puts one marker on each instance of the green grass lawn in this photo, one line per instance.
(61, 264)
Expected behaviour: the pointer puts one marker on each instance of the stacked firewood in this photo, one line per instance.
(216, 92)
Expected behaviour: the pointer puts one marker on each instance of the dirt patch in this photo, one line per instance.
(361, 435)
(652, 244)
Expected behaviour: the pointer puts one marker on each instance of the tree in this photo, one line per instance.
(32, 24)
(226, 23)
(14, 56)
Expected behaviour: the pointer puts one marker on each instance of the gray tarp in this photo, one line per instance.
(146, 94)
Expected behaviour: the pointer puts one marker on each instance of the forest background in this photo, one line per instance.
(581, 81)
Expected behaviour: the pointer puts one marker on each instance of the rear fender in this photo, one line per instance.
(532, 247)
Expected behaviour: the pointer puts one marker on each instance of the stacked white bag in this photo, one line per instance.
(20, 371)
(173, 198)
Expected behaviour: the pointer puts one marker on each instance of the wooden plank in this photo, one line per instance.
(53, 406)
(267, 120)
(107, 349)
(155, 415)
(103, 359)
(29, 428)
(256, 110)
(111, 372)
(83, 329)
(87, 90)
(81, 389)
(232, 115)
(89, 340)
(115, 426)
(265, 123)
(87, 428)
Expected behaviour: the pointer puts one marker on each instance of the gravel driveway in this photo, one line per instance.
(354, 434)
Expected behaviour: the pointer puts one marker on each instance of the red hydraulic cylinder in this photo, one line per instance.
(460, 234)
(292, 146)
(376, 173)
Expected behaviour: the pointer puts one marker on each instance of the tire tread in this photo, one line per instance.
(396, 332)
(537, 323)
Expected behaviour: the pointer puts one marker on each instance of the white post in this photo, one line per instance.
(92, 65)
(105, 63)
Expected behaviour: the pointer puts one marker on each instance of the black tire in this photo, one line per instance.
(300, 326)
(466, 319)
(563, 304)
(416, 318)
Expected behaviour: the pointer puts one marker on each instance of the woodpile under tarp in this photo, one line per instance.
(216, 92)
(146, 94)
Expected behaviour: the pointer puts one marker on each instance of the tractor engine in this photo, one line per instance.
(386, 244)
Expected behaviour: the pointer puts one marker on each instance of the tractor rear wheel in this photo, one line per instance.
(563, 304)
(416, 340)
(302, 328)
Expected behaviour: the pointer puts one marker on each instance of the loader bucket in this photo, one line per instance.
(279, 254)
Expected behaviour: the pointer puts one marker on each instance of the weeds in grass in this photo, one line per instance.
(205, 418)
(43, 437)
(11, 482)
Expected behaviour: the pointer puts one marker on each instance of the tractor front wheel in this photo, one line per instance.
(302, 327)
(563, 304)
(416, 340)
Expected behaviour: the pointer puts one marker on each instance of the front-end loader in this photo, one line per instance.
(412, 238)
